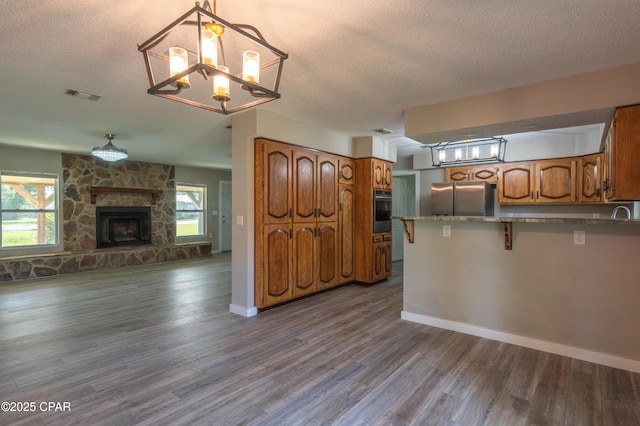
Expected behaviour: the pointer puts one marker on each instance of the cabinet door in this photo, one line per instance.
(555, 181)
(386, 262)
(388, 175)
(378, 173)
(327, 254)
(609, 152)
(327, 190)
(378, 261)
(276, 265)
(347, 171)
(274, 190)
(625, 155)
(516, 184)
(484, 173)
(457, 174)
(346, 235)
(304, 259)
(304, 185)
(590, 179)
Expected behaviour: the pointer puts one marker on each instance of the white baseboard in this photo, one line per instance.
(245, 312)
(527, 342)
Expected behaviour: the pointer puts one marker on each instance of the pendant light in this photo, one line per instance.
(109, 152)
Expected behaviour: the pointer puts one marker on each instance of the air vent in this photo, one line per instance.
(383, 131)
(81, 95)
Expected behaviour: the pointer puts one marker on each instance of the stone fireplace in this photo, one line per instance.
(113, 215)
(122, 226)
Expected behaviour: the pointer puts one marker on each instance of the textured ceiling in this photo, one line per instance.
(353, 66)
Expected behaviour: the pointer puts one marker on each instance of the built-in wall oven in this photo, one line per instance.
(381, 210)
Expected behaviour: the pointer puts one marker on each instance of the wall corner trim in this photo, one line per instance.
(240, 310)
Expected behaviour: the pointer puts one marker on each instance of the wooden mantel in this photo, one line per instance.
(95, 190)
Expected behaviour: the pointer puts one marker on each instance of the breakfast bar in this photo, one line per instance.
(564, 285)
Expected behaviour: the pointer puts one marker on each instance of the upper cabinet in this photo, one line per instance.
(382, 174)
(487, 173)
(590, 178)
(315, 186)
(274, 200)
(622, 152)
(545, 181)
(347, 171)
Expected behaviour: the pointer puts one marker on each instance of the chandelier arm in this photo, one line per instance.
(252, 28)
(153, 41)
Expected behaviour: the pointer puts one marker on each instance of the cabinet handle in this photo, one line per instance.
(532, 195)
(290, 213)
(537, 195)
(290, 234)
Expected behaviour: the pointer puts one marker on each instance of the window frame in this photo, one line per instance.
(202, 211)
(34, 248)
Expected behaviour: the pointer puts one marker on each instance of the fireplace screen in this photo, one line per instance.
(121, 226)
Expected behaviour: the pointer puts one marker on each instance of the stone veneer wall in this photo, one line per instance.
(79, 215)
(79, 221)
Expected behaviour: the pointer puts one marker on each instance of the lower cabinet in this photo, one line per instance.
(381, 259)
(346, 236)
(297, 260)
(276, 277)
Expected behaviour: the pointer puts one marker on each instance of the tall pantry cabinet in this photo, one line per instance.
(296, 226)
(373, 250)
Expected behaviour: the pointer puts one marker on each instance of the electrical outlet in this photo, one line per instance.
(446, 230)
(579, 238)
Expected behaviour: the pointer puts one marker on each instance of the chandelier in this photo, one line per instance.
(467, 152)
(186, 62)
(109, 152)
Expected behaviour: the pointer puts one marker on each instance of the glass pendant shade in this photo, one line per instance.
(209, 48)
(251, 66)
(178, 62)
(221, 86)
(109, 152)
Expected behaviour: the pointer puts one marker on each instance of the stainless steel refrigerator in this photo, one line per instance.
(473, 198)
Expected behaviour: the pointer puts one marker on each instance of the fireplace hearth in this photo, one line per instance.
(122, 226)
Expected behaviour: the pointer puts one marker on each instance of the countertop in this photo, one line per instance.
(511, 219)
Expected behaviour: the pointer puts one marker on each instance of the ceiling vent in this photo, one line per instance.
(383, 131)
(81, 95)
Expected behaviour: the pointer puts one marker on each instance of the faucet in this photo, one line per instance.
(625, 208)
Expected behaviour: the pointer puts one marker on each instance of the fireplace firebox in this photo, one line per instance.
(122, 226)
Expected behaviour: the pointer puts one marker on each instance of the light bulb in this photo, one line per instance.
(251, 66)
(209, 48)
(221, 86)
(178, 62)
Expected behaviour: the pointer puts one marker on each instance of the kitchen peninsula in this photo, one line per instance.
(553, 289)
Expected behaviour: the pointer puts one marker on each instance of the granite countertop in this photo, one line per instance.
(510, 219)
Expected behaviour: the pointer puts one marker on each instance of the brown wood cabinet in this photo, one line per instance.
(296, 222)
(372, 250)
(590, 178)
(622, 152)
(381, 174)
(543, 181)
(347, 171)
(487, 173)
(346, 236)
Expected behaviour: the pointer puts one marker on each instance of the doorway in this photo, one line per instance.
(403, 203)
(224, 219)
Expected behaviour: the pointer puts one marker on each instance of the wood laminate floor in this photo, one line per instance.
(157, 345)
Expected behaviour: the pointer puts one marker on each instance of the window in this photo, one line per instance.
(29, 209)
(190, 210)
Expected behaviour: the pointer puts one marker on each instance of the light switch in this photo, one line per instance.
(240, 220)
(446, 230)
(579, 238)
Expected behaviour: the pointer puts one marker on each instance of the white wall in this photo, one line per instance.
(211, 178)
(546, 293)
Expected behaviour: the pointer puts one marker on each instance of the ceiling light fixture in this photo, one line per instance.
(189, 61)
(477, 151)
(109, 152)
